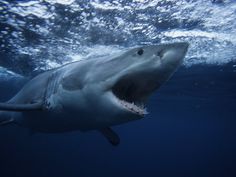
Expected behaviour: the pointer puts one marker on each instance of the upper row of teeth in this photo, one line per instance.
(137, 109)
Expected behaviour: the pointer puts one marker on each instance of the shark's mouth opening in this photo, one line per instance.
(132, 93)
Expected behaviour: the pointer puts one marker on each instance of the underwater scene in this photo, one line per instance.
(121, 88)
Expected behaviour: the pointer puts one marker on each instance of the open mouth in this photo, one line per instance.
(132, 93)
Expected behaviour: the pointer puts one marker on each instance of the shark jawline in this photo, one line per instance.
(131, 95)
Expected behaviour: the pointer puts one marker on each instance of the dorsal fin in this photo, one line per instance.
(21, 107)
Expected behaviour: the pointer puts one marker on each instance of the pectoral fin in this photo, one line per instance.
(6, 122)
(20, 107)
(110, 135)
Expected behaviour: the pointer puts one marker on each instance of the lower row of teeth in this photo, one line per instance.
(137, 109)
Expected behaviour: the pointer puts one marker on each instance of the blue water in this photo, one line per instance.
(190, 129)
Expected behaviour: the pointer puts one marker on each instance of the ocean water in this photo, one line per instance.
(190, 129)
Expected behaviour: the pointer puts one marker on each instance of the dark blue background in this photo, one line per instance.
(190, 131)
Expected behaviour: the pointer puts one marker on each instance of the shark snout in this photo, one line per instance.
(174, 54)
(182, 47)
(179, 48)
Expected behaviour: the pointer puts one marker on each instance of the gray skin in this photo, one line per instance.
(94, 94)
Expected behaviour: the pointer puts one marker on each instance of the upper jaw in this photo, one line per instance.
(131, 94)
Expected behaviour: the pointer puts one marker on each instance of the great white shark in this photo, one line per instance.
(94, 94)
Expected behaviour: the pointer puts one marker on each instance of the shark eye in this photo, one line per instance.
(140, 51)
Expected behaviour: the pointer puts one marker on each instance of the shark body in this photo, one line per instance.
(94, 94)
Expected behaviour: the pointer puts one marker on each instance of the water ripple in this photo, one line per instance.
(38, 35)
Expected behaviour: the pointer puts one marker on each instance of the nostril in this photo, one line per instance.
(160, 53)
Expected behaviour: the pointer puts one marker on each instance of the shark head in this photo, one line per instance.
(115, 90)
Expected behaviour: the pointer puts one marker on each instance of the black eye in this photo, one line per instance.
(140, 51)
